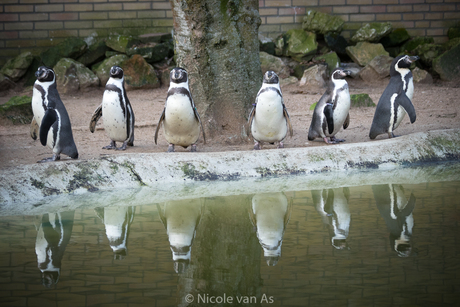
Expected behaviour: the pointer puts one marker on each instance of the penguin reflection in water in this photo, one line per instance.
(117, 111)
(51, 121)
(180, 118)
(117, 221)
(270, 214)
(181, 219)
(269, 119)
(331, 111)
(332, 204)
(396, 210)
(52, 238)
(396, 99)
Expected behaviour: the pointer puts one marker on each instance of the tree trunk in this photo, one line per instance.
(216, 41)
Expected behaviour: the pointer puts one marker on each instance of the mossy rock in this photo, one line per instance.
(396, 38)
(361, 100)
(72, 47)
(18, 110)
(428, 52)
(372, 32)
(453, 32)
(95, 53)
(331, 59)
(139, 74)
(121, 43)
(16, 67)
(415, 42)
(322, 23)
(301, 45)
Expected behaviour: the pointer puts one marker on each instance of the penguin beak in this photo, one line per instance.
(413, 58)
(37, 73)
(347, 72)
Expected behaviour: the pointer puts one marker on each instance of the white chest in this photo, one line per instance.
(180, 125)
(37, 105)
(269, 124)
(114, 117)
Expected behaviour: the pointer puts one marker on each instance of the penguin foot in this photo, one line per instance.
(392, 135)
(193, 148)
(256, 146)
(281, 145)
(334, 139)
(122, 147)
(171, 148)
(112, 145)
(53, 158)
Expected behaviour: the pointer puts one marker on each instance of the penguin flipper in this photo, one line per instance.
(162, 217)
(405, 102)
(329, 114)
(288, 120)
(34, 129)
(410, 206)
(252, 114)
(162, 118)
(48, 120)
(96, 115)
(197, 116)
(346, 123)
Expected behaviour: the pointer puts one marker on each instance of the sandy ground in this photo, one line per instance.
(437, 106)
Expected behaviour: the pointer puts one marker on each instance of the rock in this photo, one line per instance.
(155, 37)
(322, 23)
(139, 74)
(380, 65)
(266, 44)
(288, 81)
(5, 83)
(364, 52)
(16, 67)
(453, 32)
(447, 65)
(29, 77)
(451, 43)
(153, 52)
(313, 79)
(102, 70)
(331, 59)
(396, 38)
(270, 62)
(421, 76)
(337, 43)
(301, 45)
(411, 44)
(164, 75)
(353, 68)
(428, 52)
(281, 45)
(299, 70)
(73, 76)
(18, 110)
(95, 53)
(121, 43)
(372, 32)
(361, 100)
(72, 47)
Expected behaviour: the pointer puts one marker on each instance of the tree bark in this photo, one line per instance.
(216, 41)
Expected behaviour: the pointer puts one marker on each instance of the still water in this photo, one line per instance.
(375, 245)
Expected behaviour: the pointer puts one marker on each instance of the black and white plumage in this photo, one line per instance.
(269, 119)
(117, 111)
(270, 214)
(396, 210)
(52, 238)
(181, 219)
(331, 111)
(396, 99)
(332, 204)
(51, 120)
(180, 118)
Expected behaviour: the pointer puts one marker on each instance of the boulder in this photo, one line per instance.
(336, 43)
(73, 76)
(121, 43)
(453, 32)
(361, 100)
(413, 43)
(451, 43)
(72, 47)
(281, 45)
(301, 45)
(29, 77)
(364, 52)
(428, 52)
(102, 70)
(353, 68)
(421, 76)
(95, 53)
(152, 52)
(447, 65)
(331, 59)
(299, 70)
(396, 38)
(155, 37)
(16, 67)
(5, 83)
(266, 44)
(372, 32)
(139, 74)
(378, 68)
(270, 62)
(288, 81)
(313, 79)
(322, 23)
(17, 110)
(164, 74)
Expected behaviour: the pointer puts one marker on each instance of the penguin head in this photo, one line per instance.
(270, 77)
(50, 278)
(178, 75)
(116, 72)
(339, 73)
(45, 74)
(402, 62)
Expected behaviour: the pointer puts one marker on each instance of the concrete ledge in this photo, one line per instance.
(171, 173)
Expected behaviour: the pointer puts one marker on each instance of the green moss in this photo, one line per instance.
(361, 100)
(312, 107)
(18, 109)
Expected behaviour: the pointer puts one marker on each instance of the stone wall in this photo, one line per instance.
(38, 24)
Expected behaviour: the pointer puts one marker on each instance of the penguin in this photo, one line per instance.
(180, 118)
(51, 120)
(52, 238)
(118, 113)
(269, 118)
(396, 210)
(331, 111)
(332, 204)
(117, 221)
(396, 99)
(181, 219)
(270, 214)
